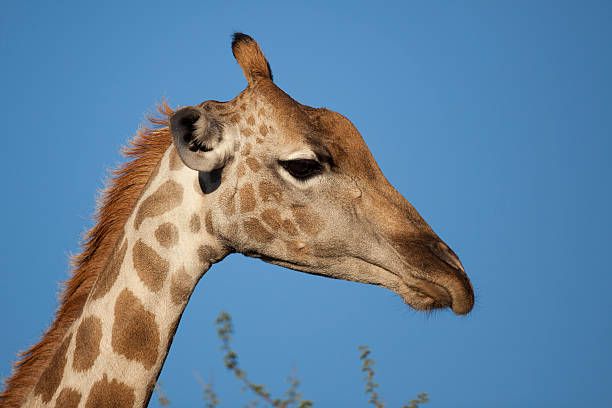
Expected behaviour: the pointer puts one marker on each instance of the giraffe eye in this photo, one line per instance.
(302, 169)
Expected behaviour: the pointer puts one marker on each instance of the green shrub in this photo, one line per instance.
(293, 398)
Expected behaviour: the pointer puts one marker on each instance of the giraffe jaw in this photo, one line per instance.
(420, 294)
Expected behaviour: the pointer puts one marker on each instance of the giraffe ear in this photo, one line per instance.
(200, 141)
(250, 58)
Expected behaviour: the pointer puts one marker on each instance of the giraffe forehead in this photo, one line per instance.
(338, 137)
(287, 127)
(304, 130)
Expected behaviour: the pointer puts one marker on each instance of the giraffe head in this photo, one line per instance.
(298, 187)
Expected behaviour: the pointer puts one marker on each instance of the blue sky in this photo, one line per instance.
(491, 118)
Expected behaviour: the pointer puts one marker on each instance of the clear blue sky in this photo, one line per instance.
(492, 118)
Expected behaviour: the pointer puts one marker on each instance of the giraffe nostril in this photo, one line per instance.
(442, 251)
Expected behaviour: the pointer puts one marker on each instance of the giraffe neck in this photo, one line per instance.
(115, 350)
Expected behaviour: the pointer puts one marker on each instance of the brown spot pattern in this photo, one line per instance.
(135, 332)
(272, 218)
(68, 398)
(259, 140)
(235, 118)
(175, 161)
(150, 267)
(194, 223)
(87, 343)
(167, 235)
(241, 170)
(261, 112)
(263, 130)
(52, 376)
(307, 221)
(110, 394)
(246, 132)
(289, 228)
(253, 164)
(269, 192)
(256, 231)
(227, 202)
(251, 120)
(208, 222)
(247, 198)
(167, 197)
(247, 149)
(109, 274)
(180, 287)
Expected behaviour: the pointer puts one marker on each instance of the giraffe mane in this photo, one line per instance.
(115, 204)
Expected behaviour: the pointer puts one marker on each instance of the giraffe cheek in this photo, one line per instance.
(297, 249)
(247, 198)
(253, 164)
(272, 218)
(307, 220)
(289, 228)
(256, 231)
(270, 192)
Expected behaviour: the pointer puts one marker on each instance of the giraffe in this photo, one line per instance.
(262, 175)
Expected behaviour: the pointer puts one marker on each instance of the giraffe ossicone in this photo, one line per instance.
(262, 175)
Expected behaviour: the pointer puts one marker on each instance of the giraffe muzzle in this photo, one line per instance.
(433, 274)
(454, 280)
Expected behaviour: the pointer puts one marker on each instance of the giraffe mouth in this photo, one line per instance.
(425, 295)
(422, 292)
(430, 276)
